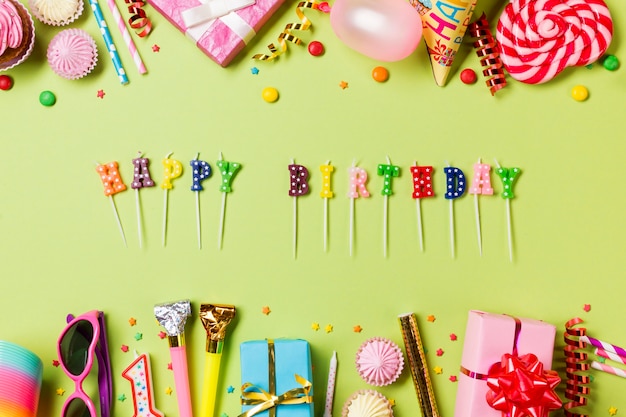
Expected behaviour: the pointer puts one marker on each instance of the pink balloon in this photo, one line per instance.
(386, 30)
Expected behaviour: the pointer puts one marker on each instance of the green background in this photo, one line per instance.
(61, 250)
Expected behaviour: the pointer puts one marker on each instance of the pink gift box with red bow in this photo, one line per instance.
(488, 337)
(220, 28)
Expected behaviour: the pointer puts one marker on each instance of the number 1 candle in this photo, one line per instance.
(326, 193)
(388, 172)
(298, 177)
(508, 177)
(139, 375)
(481, 184)
(113, 184)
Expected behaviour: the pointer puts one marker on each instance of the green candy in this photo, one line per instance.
(610, 62)
(47, 98)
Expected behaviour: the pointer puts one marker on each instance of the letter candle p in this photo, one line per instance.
(173, 316)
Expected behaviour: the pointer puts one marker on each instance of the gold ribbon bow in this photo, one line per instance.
(264, 400)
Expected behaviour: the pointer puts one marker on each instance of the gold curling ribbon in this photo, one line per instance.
(254, 395)
(286, 35)
(138, 19)
(487, 49)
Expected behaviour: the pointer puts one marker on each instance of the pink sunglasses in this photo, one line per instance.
(83, 338)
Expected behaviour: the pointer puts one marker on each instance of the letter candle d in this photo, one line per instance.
(172, 316)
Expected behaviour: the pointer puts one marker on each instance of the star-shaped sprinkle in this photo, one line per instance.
(601, 359)
(453, 337)
(452, 378)
(230, 389)
(162, 334)
(266, 310)
(169, 390)
(156, 48)
(328, 328)
(343, 85)
(439, 352)
(169, 366)
(60, 391)
(223, 415)
(357, 329)
(100, 94)
(431, 318)
(138, 336)
(438, 370)
(392, 402)
(124, 348)
(55, 363)
(254, 70)
(612, 411)
(121, 397)
(315, 326)
(587, 307)
(132, 321)
(324, 7)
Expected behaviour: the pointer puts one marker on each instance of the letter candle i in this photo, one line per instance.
(173, 316)
(326, 193)
(417, 364)
(215, 318)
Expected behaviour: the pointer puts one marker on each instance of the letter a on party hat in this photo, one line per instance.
(444, 25)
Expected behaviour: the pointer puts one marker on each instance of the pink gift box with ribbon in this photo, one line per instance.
(487, 337)
(220, 28)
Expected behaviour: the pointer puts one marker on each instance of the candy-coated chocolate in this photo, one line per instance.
(609, 62)
(380, 74)
(47, 98)
(468, 76)
(5, 82)
(580, 93)
(270, 94)
(316, 48)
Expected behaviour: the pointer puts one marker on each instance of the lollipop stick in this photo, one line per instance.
(452, 227)
(198, 219)
(220, 234)
(385, 206)
(420, 233)
(351, 225)
(164, 216)
(117, 218)
(509, 231)
(138, 206)
(477, 211)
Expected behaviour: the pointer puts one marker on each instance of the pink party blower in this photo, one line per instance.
(172, 316)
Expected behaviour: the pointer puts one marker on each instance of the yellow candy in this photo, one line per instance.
(270, 94)
(580, 93)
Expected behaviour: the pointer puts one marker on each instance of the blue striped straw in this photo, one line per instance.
(108, 40)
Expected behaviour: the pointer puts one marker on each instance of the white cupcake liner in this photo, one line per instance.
(49, 21)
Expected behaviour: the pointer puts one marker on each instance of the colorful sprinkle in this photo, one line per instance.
(138, 336)
(468, 76)
(380, 74)
(162, 335)
(156, 48)
(580, 93)
(270, 94)
(100, 94)
(47, 98)
(587, 307)
(343, 85)
(6, 82)
(60, 391)
(357, 329)
(169, 390)
(324, 7)
(169, 367)
(230, 389)
(453, 337)
(452, 378)
(431, 318)
(612, 411)
(328, 328)
(266, 310)
(439, 352)
(132, 321)
(315, 326)
(316, 48)
(121, 397)
(55, 363)
(438, 370)
(124, 348)
(254, 70)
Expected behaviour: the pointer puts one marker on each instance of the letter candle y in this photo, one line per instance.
(215, 318)
(172, 316)
(417, 365)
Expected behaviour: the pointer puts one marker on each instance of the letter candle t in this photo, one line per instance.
(172, 316)
(215, 318)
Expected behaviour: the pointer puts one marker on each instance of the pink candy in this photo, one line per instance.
(540, 38)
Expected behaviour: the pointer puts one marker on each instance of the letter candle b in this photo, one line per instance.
(417, 365)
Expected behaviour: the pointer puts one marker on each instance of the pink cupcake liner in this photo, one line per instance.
(72, 53)
(379, 361)
(61, 20)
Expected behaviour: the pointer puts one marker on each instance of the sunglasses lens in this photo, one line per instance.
(75, 349)
(77, 408)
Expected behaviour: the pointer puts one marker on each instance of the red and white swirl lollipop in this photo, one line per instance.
(540, 38)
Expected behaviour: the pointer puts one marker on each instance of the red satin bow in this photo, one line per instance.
(520, 387)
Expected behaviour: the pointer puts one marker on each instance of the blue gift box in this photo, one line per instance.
(292, 377)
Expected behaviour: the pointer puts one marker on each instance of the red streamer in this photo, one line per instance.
(138, 20)
(487, 49)
(577, 388)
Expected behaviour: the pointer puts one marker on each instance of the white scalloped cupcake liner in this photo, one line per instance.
(75, 14)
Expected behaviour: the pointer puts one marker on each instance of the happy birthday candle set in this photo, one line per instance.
(422, 177)
(172, 169)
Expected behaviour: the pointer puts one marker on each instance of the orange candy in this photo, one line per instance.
(380, 74)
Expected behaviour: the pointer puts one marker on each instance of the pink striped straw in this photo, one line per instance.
(608, 369)
(130, 44)
(610, 355)
(603, 345)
